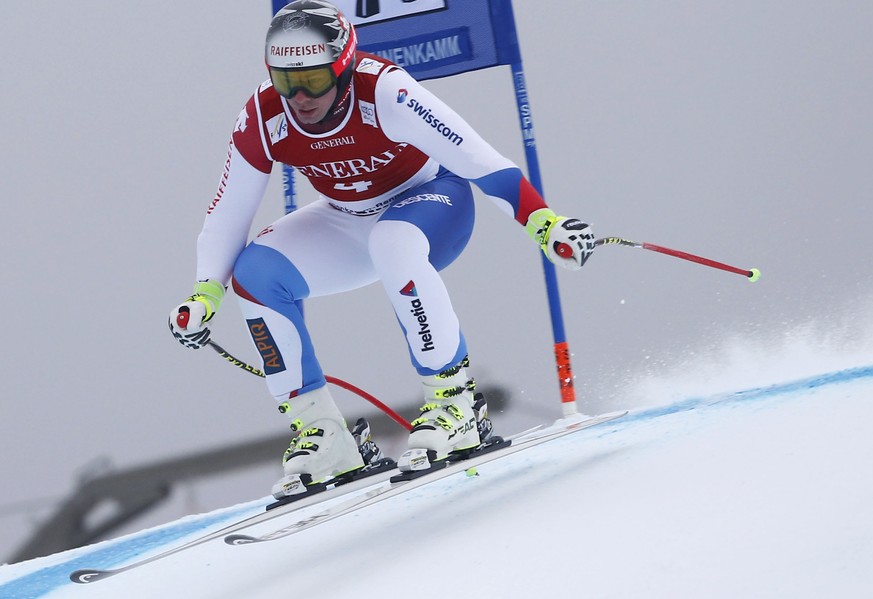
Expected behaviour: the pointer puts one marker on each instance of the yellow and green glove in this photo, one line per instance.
(188, 320)
(567, 242)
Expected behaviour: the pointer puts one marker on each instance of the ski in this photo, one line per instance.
(378, 467)
(275, 509)
(400, 483)
(368, 484)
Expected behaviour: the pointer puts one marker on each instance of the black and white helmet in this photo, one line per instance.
(310, 48)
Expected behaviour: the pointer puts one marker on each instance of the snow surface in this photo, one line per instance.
(765, 492)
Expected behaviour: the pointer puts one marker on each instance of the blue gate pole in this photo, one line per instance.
(562, 349)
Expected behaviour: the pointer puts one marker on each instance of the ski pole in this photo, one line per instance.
(752, 274)
(330, 379)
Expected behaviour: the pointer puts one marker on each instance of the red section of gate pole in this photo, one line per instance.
(565, 378)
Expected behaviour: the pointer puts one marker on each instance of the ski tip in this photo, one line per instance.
(87, 575)
(239, 539)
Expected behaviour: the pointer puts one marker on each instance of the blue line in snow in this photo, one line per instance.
(756, 393)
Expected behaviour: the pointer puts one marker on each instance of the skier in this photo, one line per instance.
(392, 165)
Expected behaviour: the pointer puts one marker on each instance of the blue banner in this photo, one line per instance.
(434, 38)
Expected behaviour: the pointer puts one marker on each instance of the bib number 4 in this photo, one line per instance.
(359, 186)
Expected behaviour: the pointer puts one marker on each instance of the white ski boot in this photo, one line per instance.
(447, 423)
(323, 448)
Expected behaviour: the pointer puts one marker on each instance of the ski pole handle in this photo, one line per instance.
(752, 274)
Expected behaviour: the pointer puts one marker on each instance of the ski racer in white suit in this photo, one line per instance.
(392, 165)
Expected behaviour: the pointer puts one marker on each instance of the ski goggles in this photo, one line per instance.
(314, 82)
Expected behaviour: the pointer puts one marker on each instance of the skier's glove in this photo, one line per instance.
(567, 242)
(188, 320)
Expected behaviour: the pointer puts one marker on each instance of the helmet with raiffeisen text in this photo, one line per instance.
(310, 48)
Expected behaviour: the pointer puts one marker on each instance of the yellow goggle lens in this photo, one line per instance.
(312, 82)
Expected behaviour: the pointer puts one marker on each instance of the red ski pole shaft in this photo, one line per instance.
(752, 274)
(356, 390)
(330, 379)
